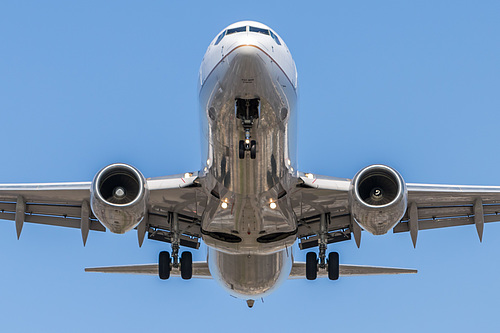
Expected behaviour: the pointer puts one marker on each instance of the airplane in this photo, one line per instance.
(249, 203)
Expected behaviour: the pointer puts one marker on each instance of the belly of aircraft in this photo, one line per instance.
(250, 276)
(239, 215)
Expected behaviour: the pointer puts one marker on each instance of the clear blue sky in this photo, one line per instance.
(414, 85)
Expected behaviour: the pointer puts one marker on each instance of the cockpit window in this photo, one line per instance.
(229, 32)
(235, 30)
(276, 39)
(220, 37)
(244, 29)
(259, 30)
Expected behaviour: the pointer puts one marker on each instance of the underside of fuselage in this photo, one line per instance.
(250, 276)
(240, 216)
(248, 117)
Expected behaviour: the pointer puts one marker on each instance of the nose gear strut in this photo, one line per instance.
(247, 110)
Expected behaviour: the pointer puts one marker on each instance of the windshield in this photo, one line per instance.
(251, 29)
(235, 30)
(220, 37)
(259, 30)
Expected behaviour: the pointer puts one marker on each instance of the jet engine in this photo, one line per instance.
(378, 198)
(118, 197)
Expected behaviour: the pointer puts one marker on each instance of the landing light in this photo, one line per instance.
(188, 174)
(224, 205)
(247, 141)
(309, 175)
(273, 205)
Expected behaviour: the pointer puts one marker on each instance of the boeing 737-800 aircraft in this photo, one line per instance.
(249, 202)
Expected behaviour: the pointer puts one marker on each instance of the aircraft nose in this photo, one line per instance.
(247, 55)
(245, 50)
(247, 62)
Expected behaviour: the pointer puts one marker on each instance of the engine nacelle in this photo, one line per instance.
(118, 197)
(378, 198)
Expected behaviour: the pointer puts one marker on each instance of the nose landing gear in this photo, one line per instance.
(247, 145)
(247, 110)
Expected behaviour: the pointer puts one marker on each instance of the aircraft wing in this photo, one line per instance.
(429, 207)
(68, 205)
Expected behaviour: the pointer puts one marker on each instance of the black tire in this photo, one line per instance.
(164, 265)
(333, 266)
(242, 149)
(311, 266)
(253, 150)
(186, 265)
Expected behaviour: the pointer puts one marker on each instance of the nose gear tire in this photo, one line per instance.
(253, 149)
(242, 150)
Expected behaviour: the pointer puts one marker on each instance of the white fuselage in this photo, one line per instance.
(249, 238)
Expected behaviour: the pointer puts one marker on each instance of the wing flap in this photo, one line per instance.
(54, 221)
(56, 215)
(443, 206)
(444, 222)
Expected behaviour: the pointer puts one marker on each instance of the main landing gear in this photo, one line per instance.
(247, 110)
(166, 263)
(331, 264)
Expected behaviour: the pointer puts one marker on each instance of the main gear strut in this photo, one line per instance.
(331, 264)
(166, 263)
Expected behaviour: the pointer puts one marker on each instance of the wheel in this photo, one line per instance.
(242, 149)
(186, 265)
(253, 149)
(164, 265)
(333, 266)
(311, 266)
